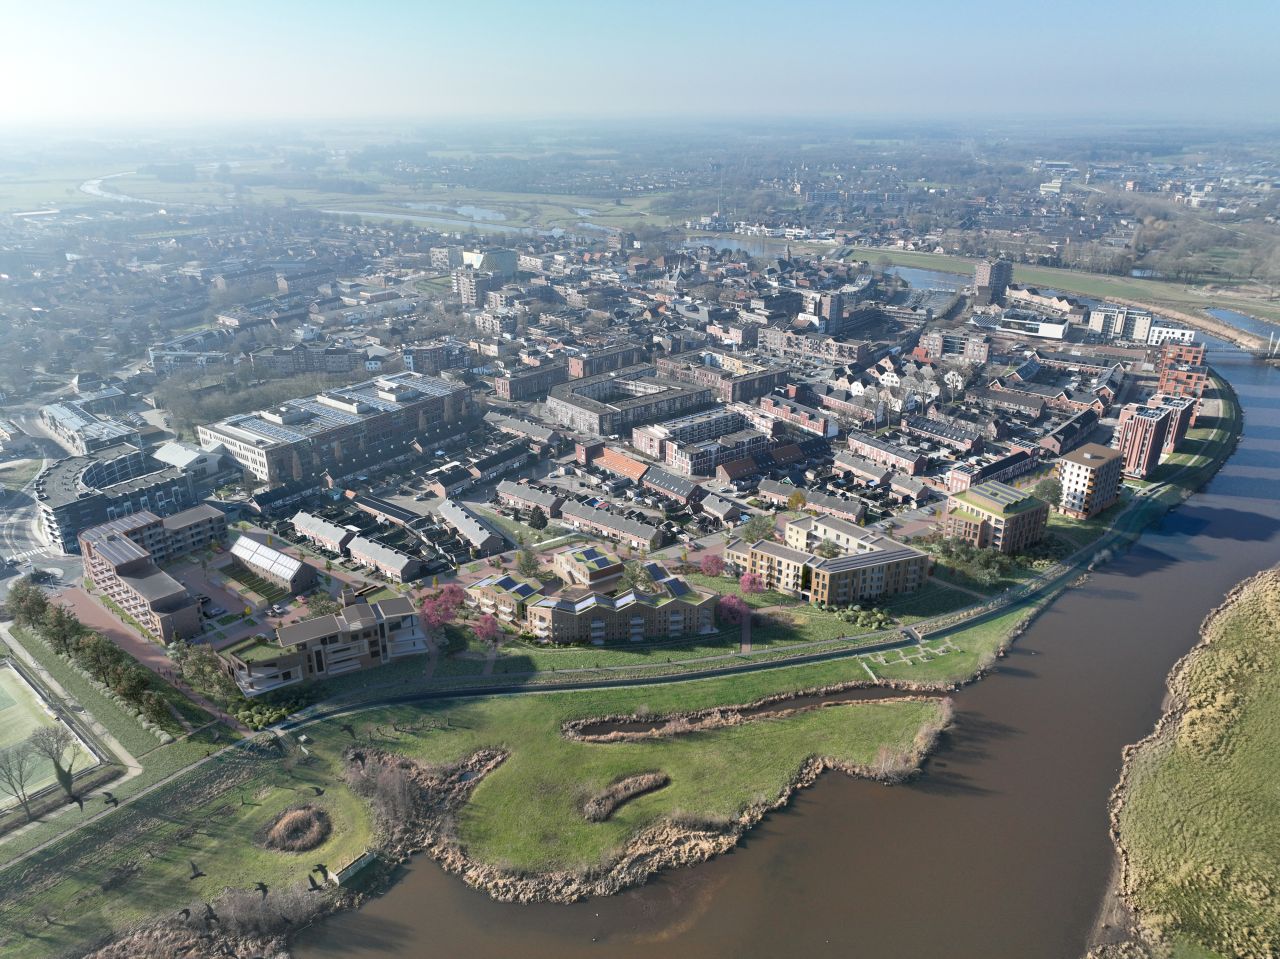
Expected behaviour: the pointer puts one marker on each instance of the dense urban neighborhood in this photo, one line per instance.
(315, 458)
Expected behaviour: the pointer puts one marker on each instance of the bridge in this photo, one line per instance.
(1271, 352)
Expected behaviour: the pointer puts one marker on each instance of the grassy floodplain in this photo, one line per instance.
(1160, 293)
(1198, 813)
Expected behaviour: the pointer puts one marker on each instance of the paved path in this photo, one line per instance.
(98, 618)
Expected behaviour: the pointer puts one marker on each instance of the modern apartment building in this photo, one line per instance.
(1182, 370)
(801, 417)
(362, 635)
(991, 279)
(871, 566)
(733, 378)
(588, 566)
(995, 516)
(1091, 476)
(530, 382)
(121, 556)
(613, 403)
(654, 439)
(791, 345)
(1140, 438)
(595, 362)
(943, 344)
(338, 431)
(82, 491)
(1182, 416)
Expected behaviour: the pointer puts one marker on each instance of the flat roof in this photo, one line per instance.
(1092, 454)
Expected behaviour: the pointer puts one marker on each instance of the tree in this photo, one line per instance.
(828, 549)
(537, 518)
(203, 670)
(486, 629)
(56, 744)
(322, 604)
(527, 563)
(712, 565)
(636, 575)
(732, 610)
(17, 770)
(61, 628)
(1049, 489)
(796, 500)
(442, 608)
(758, 527)
(751, 583)
(27, 602)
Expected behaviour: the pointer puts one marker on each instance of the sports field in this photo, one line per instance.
(21, 711)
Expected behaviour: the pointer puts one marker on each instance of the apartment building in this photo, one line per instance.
(1182, 370)
(872, 565)
(121, 556)
(588, 566)
(1182, 416)
(595, 362)
(1091, 476)
(949, 344)
(338, 431)
(612, 403)
(1140, 438)
(732, 378)
(801, 417)
(653, 440)
(991, 278)
(992, 515)
(672, 611)
(361, 636)
(792, 345)
(532, 382)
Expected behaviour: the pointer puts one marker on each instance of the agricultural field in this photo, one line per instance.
(1199, 817)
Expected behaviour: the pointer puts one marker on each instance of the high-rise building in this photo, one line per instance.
(1140, 438)
(1182, 370)
(990, 280)
(1090, 477)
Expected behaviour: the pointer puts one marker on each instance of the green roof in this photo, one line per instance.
(256, 649)
(997, 498)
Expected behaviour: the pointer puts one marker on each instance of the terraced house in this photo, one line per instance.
(361, 636)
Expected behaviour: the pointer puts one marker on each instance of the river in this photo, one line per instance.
(999, 850)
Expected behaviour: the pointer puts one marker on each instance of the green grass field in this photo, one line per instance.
(1201, 817)
(22, 711)
(1166, 293)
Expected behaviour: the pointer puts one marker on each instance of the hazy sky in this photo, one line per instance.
(89, 62)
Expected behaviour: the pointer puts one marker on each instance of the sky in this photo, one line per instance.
(83, 63)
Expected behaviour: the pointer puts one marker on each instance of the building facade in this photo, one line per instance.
(1091, 476)
(992, 515)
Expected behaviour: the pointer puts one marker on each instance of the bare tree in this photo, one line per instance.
(56, 744)
(17, 769)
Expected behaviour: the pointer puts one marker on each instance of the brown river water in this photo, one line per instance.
(999, 850)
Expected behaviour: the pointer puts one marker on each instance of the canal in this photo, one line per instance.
(999, 850)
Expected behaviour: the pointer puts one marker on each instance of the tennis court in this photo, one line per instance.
(22, 710)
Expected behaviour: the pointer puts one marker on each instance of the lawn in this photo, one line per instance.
(953, 655)
(930, 600)
(18, 473)
(1201, 816)
(134, 863)
(1161, 293)
(22, 712)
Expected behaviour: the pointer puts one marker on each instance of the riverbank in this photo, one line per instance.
(721, 770)
(1194, 817)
